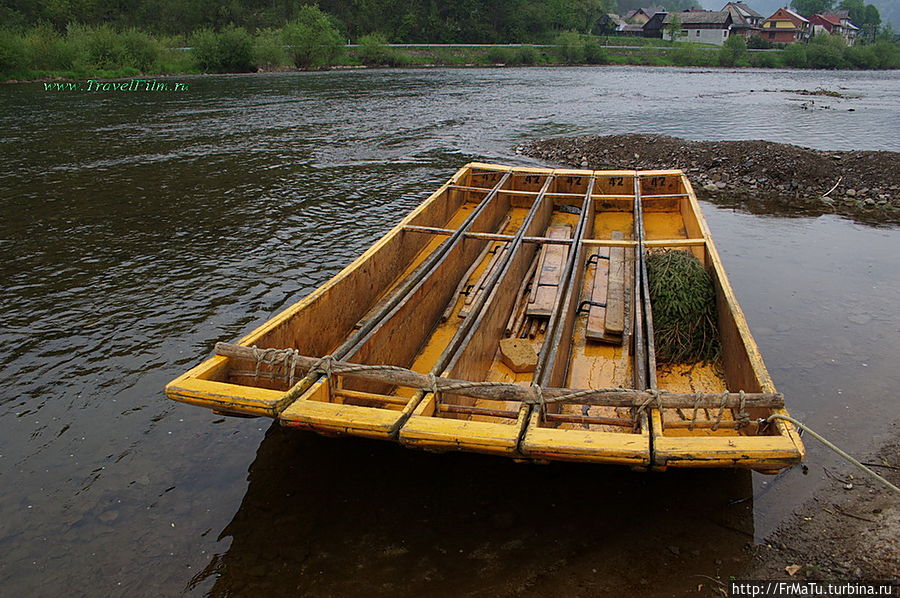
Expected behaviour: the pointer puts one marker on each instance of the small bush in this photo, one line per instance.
(766, 60)
(733, 52)
(13, 53)
(826, 52)
(687, 55)
(230, 51)
(759, 43)
(205, 49)
(268, 49)
(594, 53)
(47, 51)
(312, 38)
(528, 55)
(141, 50)
(374, 51)
(570, 47)
(236, 50)
(795, 55)
(499, 55)
(97, 48)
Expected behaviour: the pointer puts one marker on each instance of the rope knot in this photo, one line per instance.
(325, 366)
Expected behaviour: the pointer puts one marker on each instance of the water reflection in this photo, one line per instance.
(345, 517)
(138, 230)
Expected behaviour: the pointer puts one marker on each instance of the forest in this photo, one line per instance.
(409, 21)
(47, 39)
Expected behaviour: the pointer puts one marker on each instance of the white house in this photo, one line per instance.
(701, 26)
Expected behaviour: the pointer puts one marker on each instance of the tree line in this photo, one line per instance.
(409, 21)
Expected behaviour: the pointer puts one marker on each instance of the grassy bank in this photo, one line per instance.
(101, 52)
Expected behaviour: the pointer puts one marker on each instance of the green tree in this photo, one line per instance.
(811, 7)
(857, 9)
(734, 51)
(826, 51)
(675, 28)
(312, 38)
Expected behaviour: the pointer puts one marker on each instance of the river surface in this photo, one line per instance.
(138, 229)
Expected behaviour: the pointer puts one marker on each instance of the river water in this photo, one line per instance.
(138, 229)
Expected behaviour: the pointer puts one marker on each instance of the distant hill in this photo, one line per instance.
(889, 9)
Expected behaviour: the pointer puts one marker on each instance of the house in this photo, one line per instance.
(633, 30)
(610, 24)
(836, 22)
(701, 26)
(654, 27)
(786, 27)
(640, 15)
(745, 21)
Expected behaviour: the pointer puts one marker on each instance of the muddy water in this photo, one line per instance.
(138, 230)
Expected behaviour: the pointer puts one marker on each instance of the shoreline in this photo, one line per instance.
(848, 530)
(759, 176)
(648, 56)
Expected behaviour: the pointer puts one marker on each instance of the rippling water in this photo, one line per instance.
(137, 230)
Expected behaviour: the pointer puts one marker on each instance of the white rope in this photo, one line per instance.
(833, 447)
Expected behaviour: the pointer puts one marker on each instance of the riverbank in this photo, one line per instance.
(759, 175)
(102, 53)
(850, 530)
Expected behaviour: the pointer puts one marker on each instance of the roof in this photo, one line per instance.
(792, 13)
(656, 22)
(614, 18)
(705, 17)
(742, 10)
(841, 14)
(784, 14)
(649, 12)
(829, 18)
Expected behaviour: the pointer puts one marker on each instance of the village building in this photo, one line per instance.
(610, 24)
(745, 21)
(700, 26)
(786, 27)
(654, 27)
(836, 22)
(641, 15)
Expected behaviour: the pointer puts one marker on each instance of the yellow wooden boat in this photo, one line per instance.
(508, 314)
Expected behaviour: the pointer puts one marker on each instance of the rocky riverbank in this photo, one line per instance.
(850, 530)
(864, 184)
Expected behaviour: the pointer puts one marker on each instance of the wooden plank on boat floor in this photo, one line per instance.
(596, 324)
(553, 259)
(615, 294)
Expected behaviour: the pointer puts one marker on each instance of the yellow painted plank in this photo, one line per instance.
(221, 396)
(338, 418)
(444, 433)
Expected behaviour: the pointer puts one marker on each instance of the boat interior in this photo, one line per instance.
(525, 276)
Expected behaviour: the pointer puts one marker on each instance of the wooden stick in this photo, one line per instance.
(514, 314)
(593, 420)
(513, 392)
(608, 243)
(371, 396)
(465, 279)
(450, 408)
(485, 276)
(675, 243)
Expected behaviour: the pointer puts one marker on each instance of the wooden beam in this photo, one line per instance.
(471, 410)
(591, 420)
(608, 243)
(675, 243)
(508, 392)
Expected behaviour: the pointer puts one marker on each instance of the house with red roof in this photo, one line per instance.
(835, 25)
(786, 27)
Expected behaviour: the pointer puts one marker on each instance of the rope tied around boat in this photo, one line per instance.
(655, 397)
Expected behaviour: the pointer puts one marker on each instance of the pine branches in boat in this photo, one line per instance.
(684, 307)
